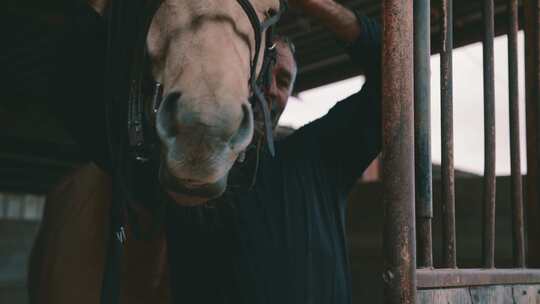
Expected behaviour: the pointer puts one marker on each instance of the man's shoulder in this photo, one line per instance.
(283, 132)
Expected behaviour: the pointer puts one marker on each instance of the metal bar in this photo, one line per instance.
(424, 242)
(447, 138)
(488, 219)
(518, 228)
(532, 89)
(398, 152)
(451, 278)
(422, 132)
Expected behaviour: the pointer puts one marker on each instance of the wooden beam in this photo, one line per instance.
(451, 278)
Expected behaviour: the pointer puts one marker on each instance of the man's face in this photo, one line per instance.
(283, 74)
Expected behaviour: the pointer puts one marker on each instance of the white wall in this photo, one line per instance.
(468, 106)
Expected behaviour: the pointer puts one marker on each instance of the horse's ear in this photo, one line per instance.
(98, 5)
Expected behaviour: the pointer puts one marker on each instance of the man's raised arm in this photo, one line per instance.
(349, 136)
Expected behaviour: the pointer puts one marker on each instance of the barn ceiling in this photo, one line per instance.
(36, 150)
(322, 60)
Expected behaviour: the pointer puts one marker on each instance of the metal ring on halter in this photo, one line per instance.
(121, 235)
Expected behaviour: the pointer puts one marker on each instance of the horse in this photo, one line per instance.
(204, 56)
(69, 253)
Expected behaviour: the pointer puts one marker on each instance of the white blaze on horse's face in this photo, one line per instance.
(201, 52)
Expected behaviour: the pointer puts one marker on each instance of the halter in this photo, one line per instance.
(142, 141)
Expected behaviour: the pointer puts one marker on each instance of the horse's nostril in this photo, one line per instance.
(166, 115)
(170, 102)
(245, 132)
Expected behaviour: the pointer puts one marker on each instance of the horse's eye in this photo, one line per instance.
(270, 13)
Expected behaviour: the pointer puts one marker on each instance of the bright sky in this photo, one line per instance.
(468, 106)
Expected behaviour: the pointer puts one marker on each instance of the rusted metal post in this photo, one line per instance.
(488, 226)
(532, 89)
(422, 132)
(518, 227)
(447, 138)
(398, 152)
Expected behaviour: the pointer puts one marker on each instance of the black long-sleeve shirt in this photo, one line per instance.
(284, 240)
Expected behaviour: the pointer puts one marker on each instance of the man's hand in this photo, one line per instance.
(333, 15)
(98, 5)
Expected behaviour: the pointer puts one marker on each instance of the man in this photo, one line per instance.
(278, 233)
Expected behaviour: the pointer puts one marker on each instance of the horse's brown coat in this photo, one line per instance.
(68, 257)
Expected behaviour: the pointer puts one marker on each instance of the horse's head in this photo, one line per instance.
(201, 51)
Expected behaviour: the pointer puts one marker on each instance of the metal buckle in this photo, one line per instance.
(141, 159)
(121, 235)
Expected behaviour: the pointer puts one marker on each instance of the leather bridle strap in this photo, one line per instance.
(258, 29)
(128, 20)
(138, 140)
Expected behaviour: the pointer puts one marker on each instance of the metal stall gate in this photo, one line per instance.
(409, 274)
